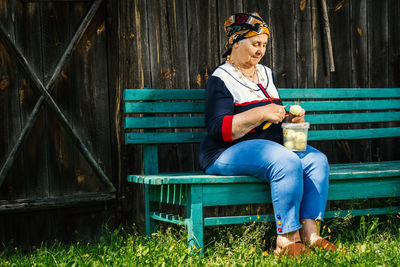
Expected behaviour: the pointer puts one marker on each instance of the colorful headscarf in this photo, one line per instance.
(242, 25)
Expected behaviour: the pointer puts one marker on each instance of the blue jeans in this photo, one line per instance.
(299, 180)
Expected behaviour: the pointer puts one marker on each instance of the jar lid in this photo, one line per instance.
(303, 125)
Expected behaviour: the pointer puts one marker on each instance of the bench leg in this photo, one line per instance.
(194, 221)
(150, 223)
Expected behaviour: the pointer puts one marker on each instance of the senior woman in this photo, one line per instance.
(241, 99)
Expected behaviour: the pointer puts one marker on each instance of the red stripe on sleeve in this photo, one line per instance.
(227, 128)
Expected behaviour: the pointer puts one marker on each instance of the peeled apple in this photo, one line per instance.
(295, 110)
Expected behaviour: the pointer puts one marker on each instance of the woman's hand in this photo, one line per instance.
(297, 119)
(246, 121)
(274, 113)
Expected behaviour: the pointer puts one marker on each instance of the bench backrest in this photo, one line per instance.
(159, 116)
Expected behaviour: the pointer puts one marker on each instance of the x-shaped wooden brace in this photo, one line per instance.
(45, 96)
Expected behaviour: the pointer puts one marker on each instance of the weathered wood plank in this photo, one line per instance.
(389, 149)
(304, 58)
(115, 96)
(203, 32)
(10, 120)
(340, 32)
(57, 202)
(264, 8)
(378, 40)
(320, 63)
(35, 155)
(168, 45)
(169, 59)
(394, 44)
(283, 43)
(89, 97)
(359, 58)
(359, 44)
(56, 35)
(378, 57)
(321, 73)
(134, 71)
(226, 8)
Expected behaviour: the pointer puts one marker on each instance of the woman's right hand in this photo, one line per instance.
(274, 113)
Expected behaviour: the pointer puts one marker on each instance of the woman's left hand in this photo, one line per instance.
(299, 118)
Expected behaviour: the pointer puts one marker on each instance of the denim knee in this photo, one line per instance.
(318, 168)
(284, 165)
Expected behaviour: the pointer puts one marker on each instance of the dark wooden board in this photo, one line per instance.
(10, 124)
(389, 147)
(304, 45)
(134, 71)
(225, 9)
(35, 150)
(264, 9)
(283, 41)
(203, 43)
(359, 74)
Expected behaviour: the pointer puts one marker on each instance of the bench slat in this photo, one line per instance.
(315, 135)
(351, 105)
(163, 94)
(235, 194)
(353, 134)
(339, 118)
(222, 194)
(364, 188)
(164, 107)
(270, 218)
(337, 172)
(164, 122)
(198, 107)
(360, 212)
(238, 219)
(168, 218)
(164, 138)
(198, 122)
(285, 93)
(301, 93)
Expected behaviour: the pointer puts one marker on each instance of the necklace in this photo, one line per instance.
(248, 76)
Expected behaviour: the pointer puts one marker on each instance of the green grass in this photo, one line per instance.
(362, 241)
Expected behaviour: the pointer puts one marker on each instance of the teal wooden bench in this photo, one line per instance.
(151, 117)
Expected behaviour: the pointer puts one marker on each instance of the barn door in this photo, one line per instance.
(55, 144)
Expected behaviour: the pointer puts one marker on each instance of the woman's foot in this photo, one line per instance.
(310, 235)
(290, 245)
(295, 249)
(324, 244)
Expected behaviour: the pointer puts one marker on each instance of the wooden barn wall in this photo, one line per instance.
(177, 44)
(161, 44)
(50, 165)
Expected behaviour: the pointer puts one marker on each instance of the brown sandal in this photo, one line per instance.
(325, 244)
(296, 249)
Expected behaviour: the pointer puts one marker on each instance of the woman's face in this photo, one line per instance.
(250, 51)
